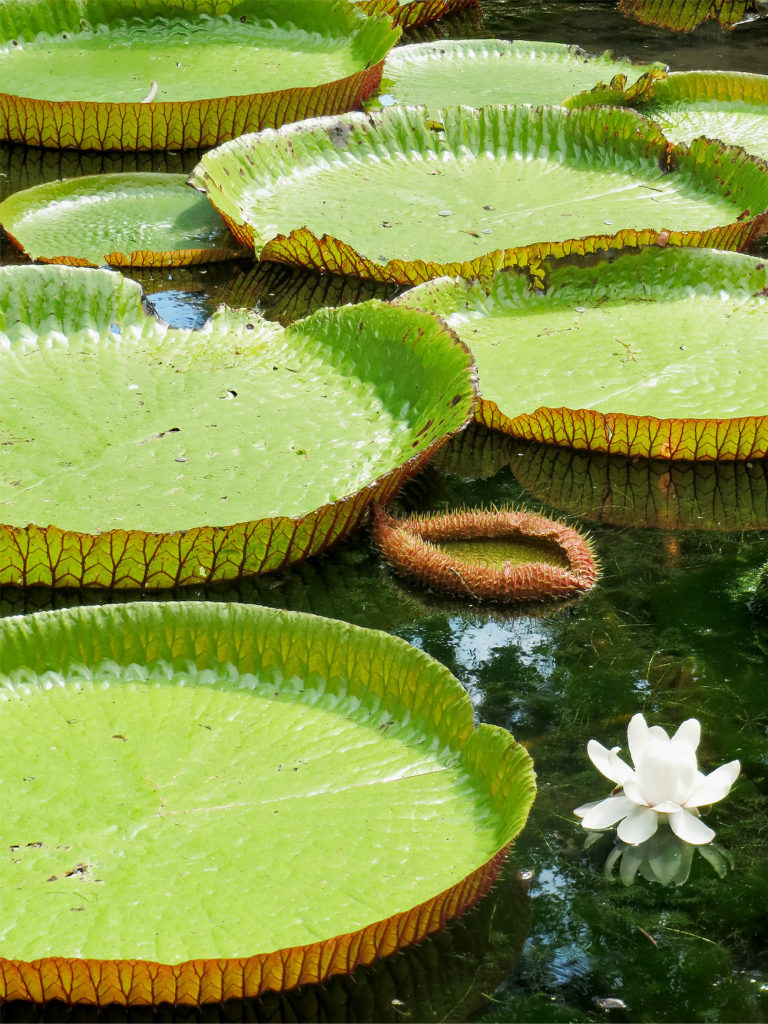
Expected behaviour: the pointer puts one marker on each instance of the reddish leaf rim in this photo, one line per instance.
(16, 207)
(743, 437)
(185, 125)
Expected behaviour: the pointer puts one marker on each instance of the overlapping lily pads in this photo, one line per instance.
(470, 191)
(124, 220)
(731, 107)
(659, 353)
(136, 455)
(143, 74)
(211, 737)
(482, 71)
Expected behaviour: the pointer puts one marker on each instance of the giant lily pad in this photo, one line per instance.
(136, 455)
(125, 220)
(143, 74)
(475, 190)
(659, 353)
(271, 799)
(731, 107)
(482, 71)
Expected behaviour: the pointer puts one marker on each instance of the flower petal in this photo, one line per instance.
(638, 826)
(637, 737)
(666, 771)
(713, 787)
(632, 790)
(608, 763)
(582, 810)
(689, 732)
(630, 864)
(690, 828)
(607, 812)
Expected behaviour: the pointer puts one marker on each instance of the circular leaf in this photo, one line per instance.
(143, 74)
(186, 748)
(469, 191)
(137, 455)
(125, 220)
(658, 353)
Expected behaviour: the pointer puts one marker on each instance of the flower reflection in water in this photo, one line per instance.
(664, 858)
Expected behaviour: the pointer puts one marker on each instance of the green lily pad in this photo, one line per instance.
(482, 71)
(659, 353)
(470, 191)
(686, 15)
(125, 220)
(212, 736)
(137, 455)
(143, 74)
(731, 107)
(640, 493)
(414, 13)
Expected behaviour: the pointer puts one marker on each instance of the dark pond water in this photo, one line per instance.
(671, 631)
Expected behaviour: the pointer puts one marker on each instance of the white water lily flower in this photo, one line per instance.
(664, 785)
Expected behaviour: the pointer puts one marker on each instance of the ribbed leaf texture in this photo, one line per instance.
(686, 15)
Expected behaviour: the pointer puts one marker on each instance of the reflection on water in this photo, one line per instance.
(664, 858)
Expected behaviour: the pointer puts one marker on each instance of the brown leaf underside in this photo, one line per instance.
(134, 559)
(415, 13)
(686, 15)
(744, 437)
(182, 125)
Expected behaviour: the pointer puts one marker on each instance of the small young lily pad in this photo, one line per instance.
(207, 801)
(139, 455)
(658, 353)
(488, 554)
(481, 71)
(146, 74)
(467, 191)
(124, 220)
